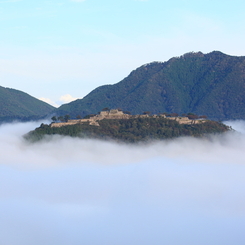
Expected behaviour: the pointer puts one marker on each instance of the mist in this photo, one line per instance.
(74, 191)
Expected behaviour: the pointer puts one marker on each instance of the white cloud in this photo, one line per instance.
(62, 100)
(49, 101)
(67, 98)
(65, 190)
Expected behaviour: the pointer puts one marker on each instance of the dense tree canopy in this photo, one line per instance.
(131, 130)
(17, 105)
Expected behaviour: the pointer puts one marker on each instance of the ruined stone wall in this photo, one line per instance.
(70, 122)
(116, 114)
(186, 120)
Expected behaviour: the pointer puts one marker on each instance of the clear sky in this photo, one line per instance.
(63, 49)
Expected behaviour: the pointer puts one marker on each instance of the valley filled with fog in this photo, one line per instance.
(74, 191)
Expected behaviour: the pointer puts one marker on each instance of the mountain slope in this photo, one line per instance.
(211, 84)
(17, 105)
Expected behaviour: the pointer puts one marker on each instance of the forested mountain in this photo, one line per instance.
(17, 105)
(210, 84)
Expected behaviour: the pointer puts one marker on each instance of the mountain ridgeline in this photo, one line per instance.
(17, 105)
(210, 84)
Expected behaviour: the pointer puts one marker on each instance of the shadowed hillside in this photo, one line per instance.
(206, 84)
(17, 105)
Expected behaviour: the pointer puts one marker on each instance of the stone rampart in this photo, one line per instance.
(117, 114)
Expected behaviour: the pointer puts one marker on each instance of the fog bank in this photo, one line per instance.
(226, 148)
(72, 191)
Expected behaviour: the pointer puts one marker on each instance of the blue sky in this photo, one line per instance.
(62, 49)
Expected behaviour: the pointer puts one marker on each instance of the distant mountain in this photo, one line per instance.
(17, 105)
(210, 84)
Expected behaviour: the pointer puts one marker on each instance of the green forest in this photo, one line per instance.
(206, 84)
(17, 105)
(130, 130)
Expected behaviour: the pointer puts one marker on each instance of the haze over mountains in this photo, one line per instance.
(210, 84)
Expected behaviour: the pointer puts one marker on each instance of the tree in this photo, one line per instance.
(66, 118)
(192, 116)
(61, 119)
(54, 118)
(89, 115)
(43, 126)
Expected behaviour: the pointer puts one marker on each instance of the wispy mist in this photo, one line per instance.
(72, 191)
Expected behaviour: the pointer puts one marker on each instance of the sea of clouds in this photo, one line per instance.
(73, 191)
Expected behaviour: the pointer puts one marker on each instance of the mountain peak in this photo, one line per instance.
(206, 84)
(192, 54)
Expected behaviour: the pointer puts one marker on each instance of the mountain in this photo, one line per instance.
(210, 84)
(17, 105)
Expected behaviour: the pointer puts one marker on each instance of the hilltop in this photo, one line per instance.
(116, 125)
(17, 105)
(210, 84)
(119, 114)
